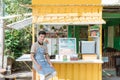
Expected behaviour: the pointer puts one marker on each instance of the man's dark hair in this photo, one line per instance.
(42, 32)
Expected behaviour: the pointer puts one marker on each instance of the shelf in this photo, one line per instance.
(94, 30)
(55, 32)
(94, 36)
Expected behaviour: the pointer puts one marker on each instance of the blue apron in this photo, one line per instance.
(39, 57)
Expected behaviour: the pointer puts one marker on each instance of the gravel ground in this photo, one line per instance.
(110, 74)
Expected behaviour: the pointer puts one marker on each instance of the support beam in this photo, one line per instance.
(1, 43)
(100, 41)
(14, 16)
(33, 33)
(33, 40)
(1, 36)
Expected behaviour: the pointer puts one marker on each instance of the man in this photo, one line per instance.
(40, 58)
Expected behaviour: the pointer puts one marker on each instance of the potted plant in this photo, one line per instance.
(52, 28)
(41, 27)
(65, 28)
(56, 50)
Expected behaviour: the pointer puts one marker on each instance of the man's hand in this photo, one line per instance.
(51, 65)
(39, 67)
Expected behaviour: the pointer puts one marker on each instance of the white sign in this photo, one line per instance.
(67, 46)
(87, 46)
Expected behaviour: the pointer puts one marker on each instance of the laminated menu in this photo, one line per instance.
(67, 46)
(87, 47)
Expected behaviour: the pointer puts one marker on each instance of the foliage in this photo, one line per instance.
(13, 7)
(17, 42)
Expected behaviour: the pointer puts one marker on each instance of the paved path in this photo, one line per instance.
(112, 78)
(19, 76)
(110, 72)
(28, 75)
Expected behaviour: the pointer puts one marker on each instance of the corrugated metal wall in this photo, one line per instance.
(77, 71)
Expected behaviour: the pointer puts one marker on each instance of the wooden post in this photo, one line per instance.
(1, 36)
(33, 74)
(1, 43)
(33, 40)
(100, 41)
(33, 33)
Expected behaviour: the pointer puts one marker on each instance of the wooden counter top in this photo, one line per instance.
(78, 61)
(26, 57)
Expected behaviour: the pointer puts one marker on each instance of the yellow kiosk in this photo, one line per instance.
(72, 12)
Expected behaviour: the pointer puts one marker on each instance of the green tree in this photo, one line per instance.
(17, 42)
(13, 6)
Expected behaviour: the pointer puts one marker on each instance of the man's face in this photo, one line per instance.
(41, 38)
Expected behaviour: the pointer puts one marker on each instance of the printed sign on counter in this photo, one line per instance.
(87, 47)
(67, 46)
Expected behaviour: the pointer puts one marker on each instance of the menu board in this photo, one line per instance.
(87, 46)
(67, 46)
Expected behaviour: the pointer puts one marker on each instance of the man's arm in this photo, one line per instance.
(47, 56)
(32, 57)
(35, 62)
(48, 59)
